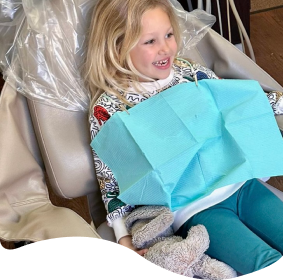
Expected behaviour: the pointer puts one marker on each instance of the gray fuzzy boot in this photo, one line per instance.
(208, 268)
(179, 255)
(149, 224)
(151, 227)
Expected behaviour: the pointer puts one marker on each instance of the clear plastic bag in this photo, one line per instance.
(194, 25)
(43, 44)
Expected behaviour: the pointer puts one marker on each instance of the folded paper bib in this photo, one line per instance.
(182, 144)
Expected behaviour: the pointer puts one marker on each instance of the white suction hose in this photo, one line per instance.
(228, 21)
(208, 6)
(242, 29)
(200, 4)
(219, 18)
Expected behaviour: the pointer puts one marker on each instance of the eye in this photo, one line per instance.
(149, 42)
(169, 35)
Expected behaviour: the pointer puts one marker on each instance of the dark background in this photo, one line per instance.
(243, 7)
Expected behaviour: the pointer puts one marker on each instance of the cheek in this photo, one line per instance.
(148, 56)
(174, 47)
(132, 54)
(138, 54)
(145, 58)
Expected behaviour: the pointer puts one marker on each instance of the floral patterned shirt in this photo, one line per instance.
(106, 105)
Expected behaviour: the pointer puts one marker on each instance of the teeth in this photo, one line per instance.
(161, 62)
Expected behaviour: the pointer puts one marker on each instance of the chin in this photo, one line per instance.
(164, 76)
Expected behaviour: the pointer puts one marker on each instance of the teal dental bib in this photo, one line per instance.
(182, 144)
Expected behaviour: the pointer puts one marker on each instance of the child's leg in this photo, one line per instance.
(230, 240)
(262, 212)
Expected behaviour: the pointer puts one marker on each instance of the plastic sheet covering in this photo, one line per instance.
(43, 44)
(194, 25)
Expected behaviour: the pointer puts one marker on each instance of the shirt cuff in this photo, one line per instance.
(279, 106)
(119, 228)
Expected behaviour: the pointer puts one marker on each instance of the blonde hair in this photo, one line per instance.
(114, 31)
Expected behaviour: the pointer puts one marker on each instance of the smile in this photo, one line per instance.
(161, 62)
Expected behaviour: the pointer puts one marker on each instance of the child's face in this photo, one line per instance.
(156, 49)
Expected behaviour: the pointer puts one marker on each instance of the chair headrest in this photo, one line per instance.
(45, 45)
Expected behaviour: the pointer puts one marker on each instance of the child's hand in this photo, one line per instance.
(127, 242)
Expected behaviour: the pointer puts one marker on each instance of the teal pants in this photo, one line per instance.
(245, 230)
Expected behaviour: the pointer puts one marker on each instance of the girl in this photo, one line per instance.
(131, 57)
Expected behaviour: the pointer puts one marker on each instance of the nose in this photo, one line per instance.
(164, 48)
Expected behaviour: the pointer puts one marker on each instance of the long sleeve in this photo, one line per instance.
(276, 101)
(103, 109)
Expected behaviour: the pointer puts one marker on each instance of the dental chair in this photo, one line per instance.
(38, 139)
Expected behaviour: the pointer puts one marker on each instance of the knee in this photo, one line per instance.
(266, 258)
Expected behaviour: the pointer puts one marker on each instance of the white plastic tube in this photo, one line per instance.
(200, 4)
(219, 18)
(228, 21)
(242, 28)
(208, 6)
